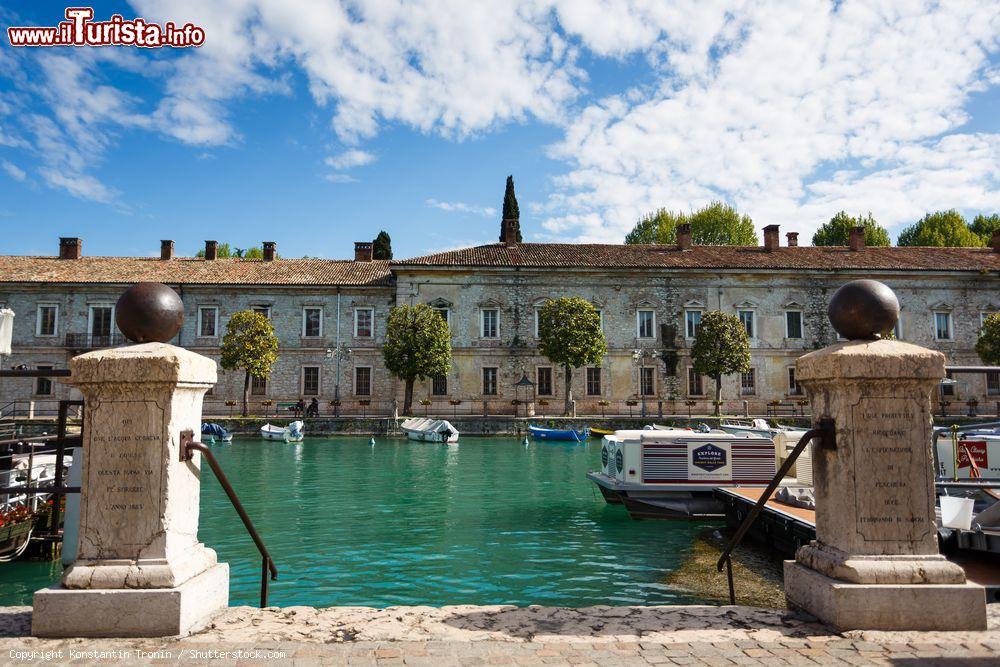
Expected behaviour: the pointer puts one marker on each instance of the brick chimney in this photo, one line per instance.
(211, 249)
(857, 238)
(269, 247)
(684, 237)
(166, 249)
(995, 243)
(70, 248)
(771, 236)
(793, 239)
(362, 251)
(509, 229)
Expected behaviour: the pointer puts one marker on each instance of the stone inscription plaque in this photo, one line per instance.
(890, 444)
(124, 477)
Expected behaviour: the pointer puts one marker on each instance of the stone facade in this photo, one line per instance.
(938, 288)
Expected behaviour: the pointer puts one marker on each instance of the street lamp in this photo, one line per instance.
(338, 352)
(523, 383)
(639, 360)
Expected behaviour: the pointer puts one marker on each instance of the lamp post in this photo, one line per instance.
(523, 383)
(338, 352)
(639, 360)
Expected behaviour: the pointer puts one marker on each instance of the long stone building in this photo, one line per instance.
(330, 318)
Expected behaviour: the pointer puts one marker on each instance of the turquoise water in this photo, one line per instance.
(488, 521)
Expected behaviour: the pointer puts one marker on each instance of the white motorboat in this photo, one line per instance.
(291, 433)
(429, 430)
(672, 474)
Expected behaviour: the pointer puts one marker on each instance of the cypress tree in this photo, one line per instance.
(382, 246)
(510, 210)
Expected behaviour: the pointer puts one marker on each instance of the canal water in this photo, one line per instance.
(486, 521)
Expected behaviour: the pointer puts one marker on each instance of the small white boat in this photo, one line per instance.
(429, 430)
(291, 433)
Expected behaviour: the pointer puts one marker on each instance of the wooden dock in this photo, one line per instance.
(785, 528)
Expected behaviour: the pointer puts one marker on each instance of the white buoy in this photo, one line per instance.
(525, 441)
(372, 442)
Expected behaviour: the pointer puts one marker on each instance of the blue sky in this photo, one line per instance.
(316, 124)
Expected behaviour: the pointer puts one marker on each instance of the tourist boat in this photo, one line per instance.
(213, 433)
(672, 474)
(569, 435)
(429, 430)
(291, 433)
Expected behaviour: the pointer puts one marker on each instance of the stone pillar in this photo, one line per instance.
(140, 570)
(875, 563)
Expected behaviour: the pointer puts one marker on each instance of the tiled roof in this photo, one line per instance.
(193, 271)
(573, 255)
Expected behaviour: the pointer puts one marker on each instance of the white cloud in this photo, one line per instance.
(460, 207)
(350, 158)
(13, 170)
(809, 108)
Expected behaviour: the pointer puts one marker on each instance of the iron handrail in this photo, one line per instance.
(826, 432)
(189, 446)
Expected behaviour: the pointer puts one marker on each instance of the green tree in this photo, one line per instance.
(838, 231)
(570, 335)
(988, 345)
(720, 348)
(941, 229)
(715, 224)
(983, 226)
(510, 210)
(225, 251)
(417, 346)
(382, 246)
(249, 344)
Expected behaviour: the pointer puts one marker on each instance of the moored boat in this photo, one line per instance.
(214, 433)
(565, 435)
(291, 433)
(429, 430)
(672, 474)
(600, 432)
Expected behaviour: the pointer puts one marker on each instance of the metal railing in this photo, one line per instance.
(827, 434)
(188, 446)
(86, 341)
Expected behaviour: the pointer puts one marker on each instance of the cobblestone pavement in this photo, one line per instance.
(510, 636)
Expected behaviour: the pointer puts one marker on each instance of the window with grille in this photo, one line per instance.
(439, 386)
(490, 381)
(647, 381)
(593, 382)
(748, 382)
(258, 386)
(948, 388)
(363, 381)
(543, 384)
(310, 381)
(312, 322)
(993, 383)
(363, 322)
